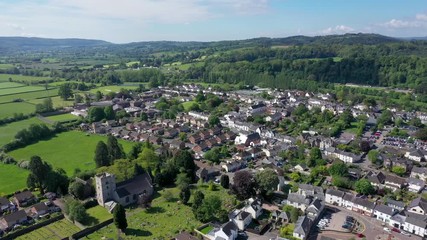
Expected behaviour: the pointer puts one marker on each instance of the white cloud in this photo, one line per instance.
(421, 17)
(419, 21)
(339, 29)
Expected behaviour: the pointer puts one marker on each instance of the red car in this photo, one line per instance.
(395, 230)
(360, 235)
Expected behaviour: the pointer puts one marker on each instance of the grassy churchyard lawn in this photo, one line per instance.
(162, 221)
(8, 131)
(97, 214)
(68, 150)
(12, 178)
(54, 231)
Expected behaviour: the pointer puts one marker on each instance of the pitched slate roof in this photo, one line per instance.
(364, 203)
(334, 192)
(394, 203)
(228, 227)
(4, 201)
(302, 226)
(299, 198)
(419, 202)
(385, 209)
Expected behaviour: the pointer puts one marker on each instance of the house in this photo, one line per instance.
(363, 206)
(384, 213)
(419, 172)
(227, 231)
(108, 192)
(315, 209)
(232, 166)
(254, 208)
(376, 179)
(394, 182)
(8, 221)
(415, 185)
(398, 205)
(348, 200)
(4, 204)
(241, 218)
(299, 201)
(24, 198)
(274, 117)
(346, 157)
(39, 209)
(416, 155)
(302, 228)
(177, 144)
(416, 225)
(206, 174)
(279, 217)
(310, 190)
(248, 139)
(418, 206)
(334, 197)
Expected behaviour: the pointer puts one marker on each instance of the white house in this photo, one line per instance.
(254, 208)
(416, 155)
(416, 225)
(415, 185)
(419, 172)
(241, 218)
(384, 213)
(228, 231)
(302, 228)
(346, 157)
(418, 206)
(334, 197)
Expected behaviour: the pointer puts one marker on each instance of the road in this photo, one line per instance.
(373, 228)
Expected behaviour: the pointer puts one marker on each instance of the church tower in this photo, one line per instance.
(105, 187)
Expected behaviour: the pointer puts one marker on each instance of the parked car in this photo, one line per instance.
(346, 226)
(387, 230)
(395, 230)
(360, 235)
(405, 233)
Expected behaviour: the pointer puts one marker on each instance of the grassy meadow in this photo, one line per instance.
(63, 117)
(12, 178)
(8, 131)
(5, 78)
(9, 109)
(10, 85)
(29, 95)
(57, 101)
(14, 90)
(68, 150)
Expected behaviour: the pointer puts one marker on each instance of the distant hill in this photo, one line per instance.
(10, 44)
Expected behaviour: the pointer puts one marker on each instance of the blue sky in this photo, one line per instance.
(123, 21)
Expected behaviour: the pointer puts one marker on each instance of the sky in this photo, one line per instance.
(122, 21)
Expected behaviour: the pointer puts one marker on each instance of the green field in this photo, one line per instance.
(97, 215)
(57, 230)
(12, 178)
(29, 95)
(187, 105)
(68, 150)
(107, 89)
(8, 109)
(6, 66)
(7, 91)
(10, 85)
(57, 101)
(8, 131)
(5, 77)
(162, 221)
(63, 117)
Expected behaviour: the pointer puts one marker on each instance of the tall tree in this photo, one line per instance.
(38, 172)
(363, 186)
(115, 150)
(185, 194)
(119, 217)
(65, 91)
(267, 181)
(101, 157)
(243, 185)
(225, 181)
(109, 113)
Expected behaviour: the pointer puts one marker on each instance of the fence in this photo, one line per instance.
(32, 228)
(83, 233)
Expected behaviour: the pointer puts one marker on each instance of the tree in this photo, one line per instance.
(338, 168)
(213, 120)
(182, 181)
(267, 181)
(65, 91)
(421, 134)
(119, 217)
(225, 181)
(294, 213)
(115, 150)
(77, 189)
(102, 157)
(95, 114)
(76, 211)
(243, 185)
(38, 172)
(185, 194)
(109, 113)
(143, 116)
(200, 97)
(198, 199)
(373, 156)
(398, 170)
(98, 95)
(364, 146)
(209, 209)
(148, 159)
(365, 187)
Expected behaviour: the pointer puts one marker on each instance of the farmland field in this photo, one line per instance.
(107, 89)
(8, 131)
(5, 77)
(8, 109)
(58, 102)
(57, 230)
(10, 85)
(29, 95)
(68, 150)
(6, 66)
(162, 221)
(7, 91)
(12, 178)
(63, 117)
